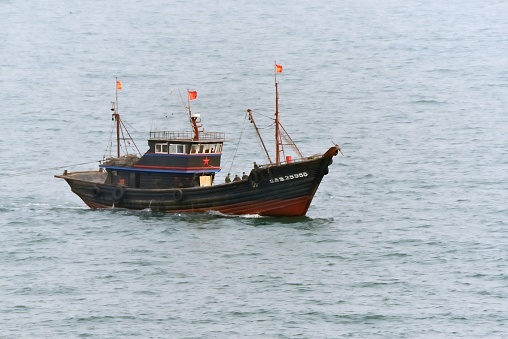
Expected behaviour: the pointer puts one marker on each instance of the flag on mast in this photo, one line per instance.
(118, 84)
(193, 95)
(278, 68)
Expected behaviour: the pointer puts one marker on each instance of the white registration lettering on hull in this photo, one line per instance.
(289, 177)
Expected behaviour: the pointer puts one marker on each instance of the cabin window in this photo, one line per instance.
(177, 149)
(161, 148)
(205, 148)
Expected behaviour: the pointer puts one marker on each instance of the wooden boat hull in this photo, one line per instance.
(284, 190)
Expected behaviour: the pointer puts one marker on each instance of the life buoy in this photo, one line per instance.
(96, 191)
(178, 195)
(118, 193)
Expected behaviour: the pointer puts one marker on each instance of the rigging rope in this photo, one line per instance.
(123, 129)
(258, 137)
(130, 138)
(109, 146)
(48, 169)
(237, 145)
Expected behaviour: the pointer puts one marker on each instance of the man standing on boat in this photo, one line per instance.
(228, 179)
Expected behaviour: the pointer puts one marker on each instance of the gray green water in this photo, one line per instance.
(406, 237)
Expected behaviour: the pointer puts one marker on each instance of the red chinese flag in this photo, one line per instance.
(193, 95)
(278, 68)
(118, 84)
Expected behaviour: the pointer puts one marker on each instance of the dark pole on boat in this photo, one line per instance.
(277, 146)
(193, 119)
(188, 104)
(117, 118)
(251, 119)
(117, 135)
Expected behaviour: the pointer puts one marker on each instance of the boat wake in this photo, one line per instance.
(241, 216)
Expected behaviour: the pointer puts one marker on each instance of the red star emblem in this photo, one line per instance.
(206, 161)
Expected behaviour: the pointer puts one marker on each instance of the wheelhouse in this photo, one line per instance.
(173, 160)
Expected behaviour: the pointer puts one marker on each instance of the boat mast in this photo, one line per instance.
(120, 127)
(118, 85)
(278, 69)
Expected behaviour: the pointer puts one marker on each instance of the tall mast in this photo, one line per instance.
(118, 85)
(120, 127)
(277, 132)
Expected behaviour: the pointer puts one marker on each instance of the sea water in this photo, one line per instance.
(406, 237)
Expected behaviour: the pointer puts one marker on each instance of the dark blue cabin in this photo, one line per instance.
(173, 160)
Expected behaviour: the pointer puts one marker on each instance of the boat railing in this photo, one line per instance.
(293, 160)
(186, 135)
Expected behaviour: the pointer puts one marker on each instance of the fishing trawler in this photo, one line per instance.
(177, 174)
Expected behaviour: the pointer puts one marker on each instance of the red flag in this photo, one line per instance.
(118, 84)
(278, 68)
(193, 95)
